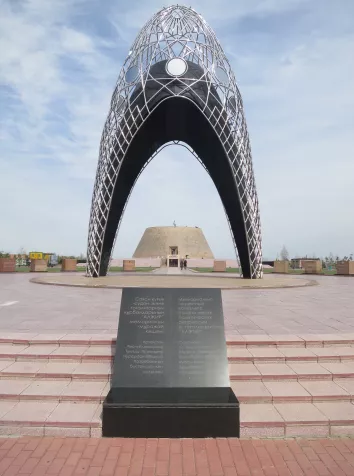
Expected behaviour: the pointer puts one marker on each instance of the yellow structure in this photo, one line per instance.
(35, 255)
(39, 255)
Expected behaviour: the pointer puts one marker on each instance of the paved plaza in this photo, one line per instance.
(174, 279)
(291, 365)
(327, 308)
(141, 457)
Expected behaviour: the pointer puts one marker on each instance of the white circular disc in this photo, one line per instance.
(131, 74)
(176, 67)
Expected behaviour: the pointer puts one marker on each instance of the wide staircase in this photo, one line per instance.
(287, 386)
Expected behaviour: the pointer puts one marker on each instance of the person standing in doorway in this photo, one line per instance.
(185, 264)
(181, 263)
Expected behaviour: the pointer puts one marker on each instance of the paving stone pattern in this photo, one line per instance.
(323, 309)
(291, 358)
(54, 385)
(167, 457)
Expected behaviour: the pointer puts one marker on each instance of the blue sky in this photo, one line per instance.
(294, 64)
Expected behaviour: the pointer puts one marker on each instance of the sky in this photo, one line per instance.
(294, 64)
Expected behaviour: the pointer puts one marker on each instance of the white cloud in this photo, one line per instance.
(76, 42)
(294, 63)
(134, 14)
(51, 72)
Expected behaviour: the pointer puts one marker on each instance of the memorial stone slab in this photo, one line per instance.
(171, 354)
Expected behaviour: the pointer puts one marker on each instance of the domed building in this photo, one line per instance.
(171, 243)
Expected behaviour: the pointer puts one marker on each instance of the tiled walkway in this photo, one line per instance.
(324, 309)
(152, 457)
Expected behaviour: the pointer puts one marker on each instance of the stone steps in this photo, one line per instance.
(59, 390)
(308, 340)
(48, 352)
(55, 370)
(67, 389)
(321, 419)
(294, 391)
(296, 371)
(52, 418)
(286, 385)
(236, 353)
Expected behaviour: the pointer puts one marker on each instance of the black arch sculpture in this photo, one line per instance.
(176, 85)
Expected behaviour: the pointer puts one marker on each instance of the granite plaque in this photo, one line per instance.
(171, 339)
(170, 375)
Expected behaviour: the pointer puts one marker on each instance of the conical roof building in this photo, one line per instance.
(163, 241)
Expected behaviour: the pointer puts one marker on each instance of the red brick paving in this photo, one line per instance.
(165, 457)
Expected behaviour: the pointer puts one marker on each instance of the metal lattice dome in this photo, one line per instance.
(175, 84)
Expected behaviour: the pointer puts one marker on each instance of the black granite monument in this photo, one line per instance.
(170, 375)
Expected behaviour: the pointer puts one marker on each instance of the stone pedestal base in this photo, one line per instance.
(38, 265)
(68, 264)
(219, 266)
(281, 266)
(7, 265)
(171, 420)
(128, 265)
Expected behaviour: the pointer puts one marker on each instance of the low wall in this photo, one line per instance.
(139, 262)
(219, 266)
(209, 263)
(281, 267)
(68, 264)
(7, 265)
(312, 266)
(191, 262)
(38, 265)
(128, 265)
(345, 267)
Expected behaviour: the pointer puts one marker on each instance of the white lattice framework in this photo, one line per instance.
(175, 32)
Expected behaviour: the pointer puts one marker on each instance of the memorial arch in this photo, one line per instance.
(176, 86)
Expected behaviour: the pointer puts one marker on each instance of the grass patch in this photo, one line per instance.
(203, 270)
(210, 270)
(22, 269)
(117, 269)
(26, 269)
